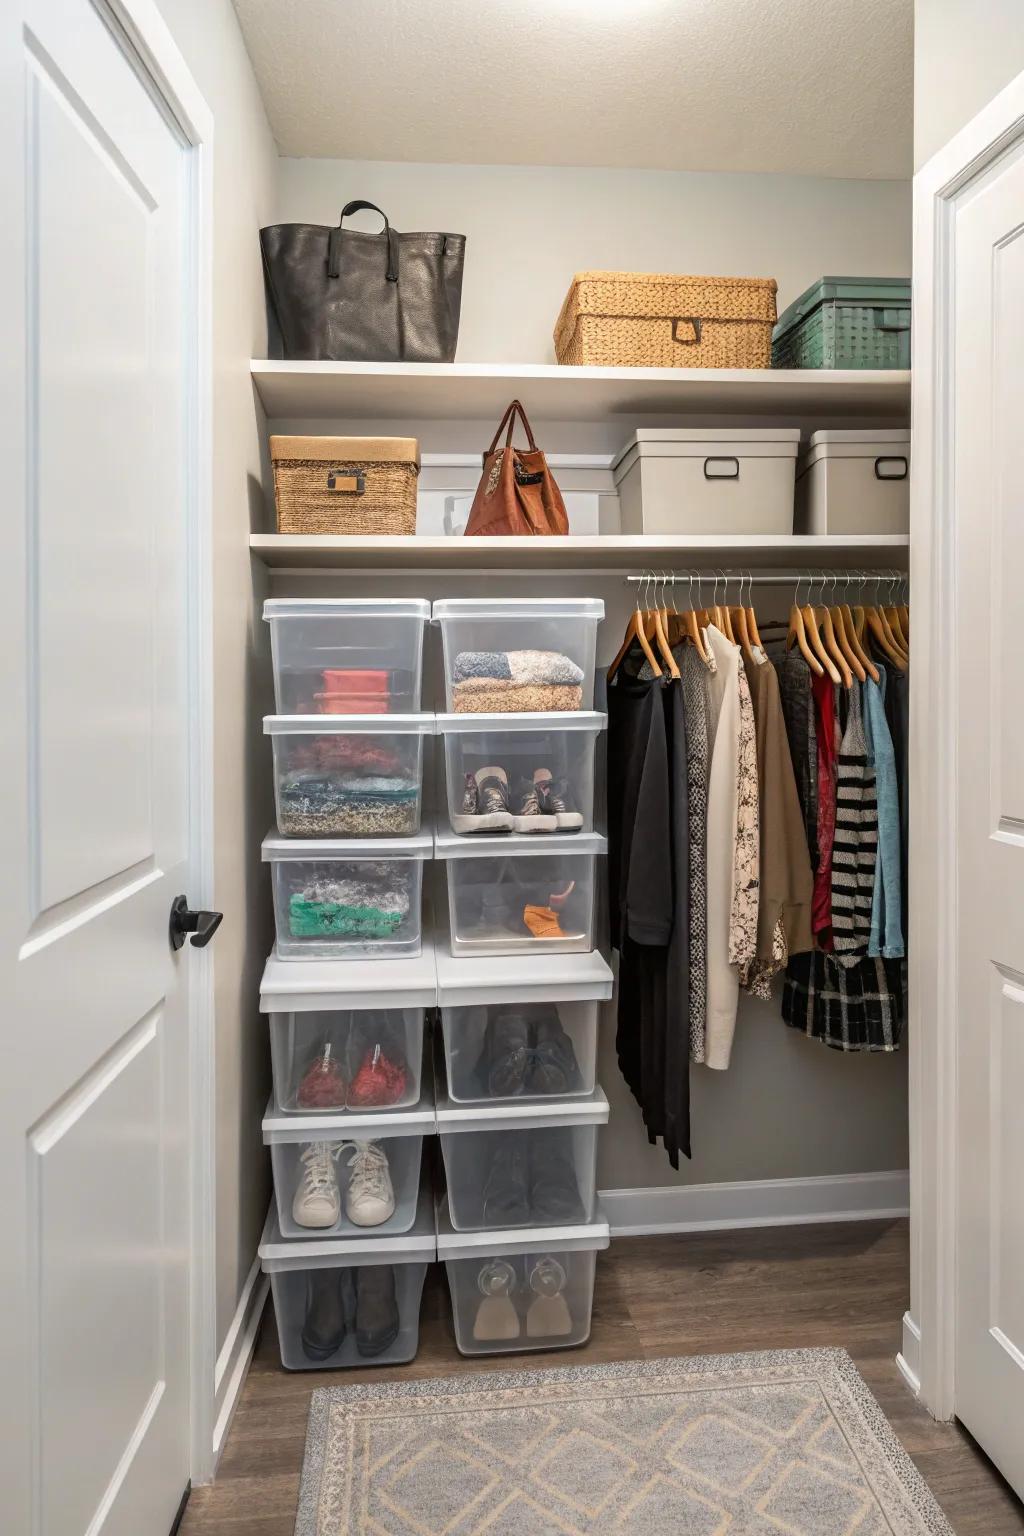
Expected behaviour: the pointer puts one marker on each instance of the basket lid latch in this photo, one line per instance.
(694, 323)
(351, 481)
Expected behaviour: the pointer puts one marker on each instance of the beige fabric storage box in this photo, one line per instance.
(855, 482)
(708, 480)
(659, 320)
(349, 485)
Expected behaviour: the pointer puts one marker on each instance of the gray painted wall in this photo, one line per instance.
(964, 53)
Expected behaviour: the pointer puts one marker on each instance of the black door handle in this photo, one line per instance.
(201, 925)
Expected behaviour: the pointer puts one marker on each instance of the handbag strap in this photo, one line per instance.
(334, 244)
(510, 417)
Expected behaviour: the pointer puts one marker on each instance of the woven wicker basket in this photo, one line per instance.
(655, 320)
(345, 484)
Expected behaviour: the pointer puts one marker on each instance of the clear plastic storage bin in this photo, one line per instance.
(520, 893)
(521, 1165)
(349, 1302)
(542, 763)
(516, 1291)
(346, 1176)
(356, 776)
(509, 656)
(347, 656)
(349, 1035)
(337, 900)
(516, 1033)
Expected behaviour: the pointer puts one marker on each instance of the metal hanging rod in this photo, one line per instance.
(776, 579)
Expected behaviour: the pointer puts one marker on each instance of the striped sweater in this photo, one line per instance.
(855, 846)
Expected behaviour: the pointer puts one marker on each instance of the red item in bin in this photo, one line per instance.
(381, 1080)
(323, 1085)
(354, 691)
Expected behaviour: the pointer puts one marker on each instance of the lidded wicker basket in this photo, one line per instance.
(354, 485)
(657, 320)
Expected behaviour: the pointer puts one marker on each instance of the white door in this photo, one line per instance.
(988, 455)
(95, 258)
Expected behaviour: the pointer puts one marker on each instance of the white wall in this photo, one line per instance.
(964, 53)
(245, 163)
(528, 230)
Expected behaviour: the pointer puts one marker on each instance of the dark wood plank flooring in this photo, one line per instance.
(707, 1293)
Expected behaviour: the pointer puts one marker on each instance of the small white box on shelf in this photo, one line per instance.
(512, 655)
(513, 1033)
(347, 656)
(347, 900)
(552, 752)
(521, 1165)
(353, 776)
(347, 1175)
(521, 1290)
(347, 1035)
(511, 894)
(349, 1301)
(855, 482)
(708, 480)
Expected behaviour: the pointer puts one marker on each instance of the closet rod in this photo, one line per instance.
(776, 579)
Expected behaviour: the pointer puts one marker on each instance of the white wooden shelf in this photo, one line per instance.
(453, 391)
(626, 552)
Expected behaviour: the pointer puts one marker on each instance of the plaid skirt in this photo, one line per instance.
(857, 1009)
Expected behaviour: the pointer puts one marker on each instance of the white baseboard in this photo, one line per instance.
(756, 1203)
(236, 1353)
(909, 1358)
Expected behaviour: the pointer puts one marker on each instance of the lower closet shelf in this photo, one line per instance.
(514, 1291)
(349, 1302)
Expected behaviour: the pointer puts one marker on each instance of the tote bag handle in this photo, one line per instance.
(510, 417)
(334, 245)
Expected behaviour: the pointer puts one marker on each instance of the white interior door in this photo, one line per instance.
(989, 511)
(94, 1047)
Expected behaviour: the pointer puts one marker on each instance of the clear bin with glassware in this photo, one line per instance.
(515, 655)
(347, 656)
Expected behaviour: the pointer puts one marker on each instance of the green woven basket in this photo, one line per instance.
(846, 322)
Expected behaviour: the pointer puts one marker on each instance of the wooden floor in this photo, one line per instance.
(710, 1293)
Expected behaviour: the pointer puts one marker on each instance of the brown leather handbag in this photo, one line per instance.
(517, 493)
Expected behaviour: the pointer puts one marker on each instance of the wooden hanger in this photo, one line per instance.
(853, 639)
(846, 650)
(635, 631)
(751, 615)
(661, 631)
(892, 614)
(684, 626)
(741, 625)
(879, 631)
(722, 619)
(797, 635)
(814, 639)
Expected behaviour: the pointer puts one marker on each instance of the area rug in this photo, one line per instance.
(720, 1445)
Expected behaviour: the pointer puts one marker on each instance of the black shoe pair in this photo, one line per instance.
(532, 1179)
(376, 1310)
(527, 1052)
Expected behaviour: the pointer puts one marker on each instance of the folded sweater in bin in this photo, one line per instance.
(515, 682)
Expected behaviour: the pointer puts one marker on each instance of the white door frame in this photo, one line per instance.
(147, 33)
(928, 1356)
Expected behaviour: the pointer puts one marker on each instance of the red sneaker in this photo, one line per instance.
(322, 1085)
(381, 1080)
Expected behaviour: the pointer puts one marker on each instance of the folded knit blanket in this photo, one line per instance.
(359, 908)
(522, 667)
(494, 696)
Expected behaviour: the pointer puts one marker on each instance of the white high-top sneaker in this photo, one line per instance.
(317, 1200)
(370, 1199)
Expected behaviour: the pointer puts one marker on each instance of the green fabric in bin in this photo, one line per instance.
(369, 909)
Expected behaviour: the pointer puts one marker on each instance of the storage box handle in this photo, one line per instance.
(687, 341)
(891, 469)
(721, 469)
(892, 320)
(352, 482)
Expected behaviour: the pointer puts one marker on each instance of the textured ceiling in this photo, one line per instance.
(819, 87)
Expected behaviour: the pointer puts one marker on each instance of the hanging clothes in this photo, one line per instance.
(697, 708)
(855, 1008)
(855, 841)
(824, 695)
(722, 976)
(886, 937)
(794, 676)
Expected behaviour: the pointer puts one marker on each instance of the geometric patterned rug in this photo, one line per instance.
(789, 1442)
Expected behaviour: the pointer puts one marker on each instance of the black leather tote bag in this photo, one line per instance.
(343, 296)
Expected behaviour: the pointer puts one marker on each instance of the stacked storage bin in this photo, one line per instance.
(519, 1227)
(350, 1232)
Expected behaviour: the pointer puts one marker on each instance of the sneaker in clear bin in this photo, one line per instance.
(485, 805)
(528, 811)
(317, 1200)
(370, 1199)
(558, 800)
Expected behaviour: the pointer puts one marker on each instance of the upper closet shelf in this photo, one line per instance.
(608, 552)
(450, 391)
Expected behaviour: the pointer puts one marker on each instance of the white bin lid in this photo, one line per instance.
(530, 720)
(277, 848)
(351, 1125)
(534, 1116)
(417, 1246)
(317, 985)
(462, 983)
(346, 607)
(518, 608)
(882, 442)
(591, 1235)
(702, 442)
(489, 845)
(348, 725)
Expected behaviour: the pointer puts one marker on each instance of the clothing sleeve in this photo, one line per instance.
(649, 885)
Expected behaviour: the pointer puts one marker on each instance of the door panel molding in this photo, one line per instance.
(955, 173)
